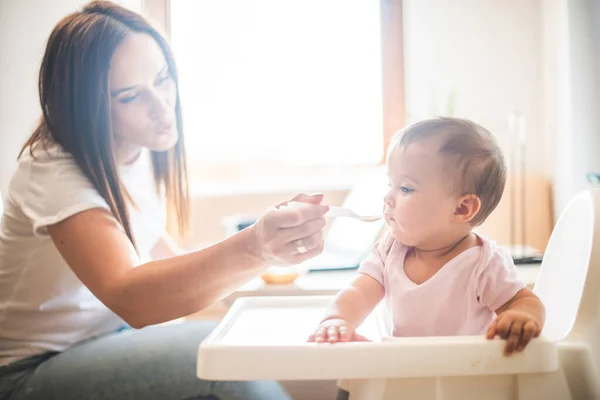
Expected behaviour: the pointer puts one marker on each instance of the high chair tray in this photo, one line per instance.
(265, 338)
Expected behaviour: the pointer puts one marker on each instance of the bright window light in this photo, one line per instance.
(294, 82)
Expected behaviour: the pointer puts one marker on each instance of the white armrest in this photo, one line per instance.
(401, 358)
(264, 338)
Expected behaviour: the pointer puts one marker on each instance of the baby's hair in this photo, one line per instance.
(476, 163)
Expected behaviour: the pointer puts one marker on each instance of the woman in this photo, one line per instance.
(84, 252)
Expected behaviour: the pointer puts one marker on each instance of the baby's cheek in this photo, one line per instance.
(412, 223)
(417, 211)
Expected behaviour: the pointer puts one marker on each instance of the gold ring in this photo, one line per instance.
(300, 246)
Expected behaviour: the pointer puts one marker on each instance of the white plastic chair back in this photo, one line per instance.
(569, 279)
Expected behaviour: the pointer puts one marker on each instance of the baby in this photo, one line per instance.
(437, 276)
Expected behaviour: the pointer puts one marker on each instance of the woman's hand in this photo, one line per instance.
(290, 233)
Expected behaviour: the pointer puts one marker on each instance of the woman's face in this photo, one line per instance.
(143, 96)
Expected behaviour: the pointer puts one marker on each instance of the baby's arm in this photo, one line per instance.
(350, 308)
(518, 321)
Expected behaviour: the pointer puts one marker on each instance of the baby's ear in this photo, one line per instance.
(467, 208)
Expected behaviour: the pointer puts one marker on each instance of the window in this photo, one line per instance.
(283, 82)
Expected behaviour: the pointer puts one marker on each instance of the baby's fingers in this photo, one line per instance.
(345, 333)
(530, 330)
(333, 334)
(514, 337)
(319, 336)
(503, 326)
(492, 330)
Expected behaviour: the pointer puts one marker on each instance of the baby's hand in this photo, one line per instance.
(336, 330)
(517, 327)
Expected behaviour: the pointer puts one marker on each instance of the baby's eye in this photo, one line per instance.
(405, 190)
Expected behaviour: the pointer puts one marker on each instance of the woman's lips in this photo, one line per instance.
(164, 129)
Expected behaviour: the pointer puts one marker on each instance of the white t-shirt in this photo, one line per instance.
(43, 305)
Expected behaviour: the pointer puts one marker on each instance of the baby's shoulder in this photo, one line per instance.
(390, 248)
(493, 256)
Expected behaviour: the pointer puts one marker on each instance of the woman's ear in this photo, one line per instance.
(467, 208)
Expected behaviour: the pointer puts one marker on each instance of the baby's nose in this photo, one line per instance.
(387, 200)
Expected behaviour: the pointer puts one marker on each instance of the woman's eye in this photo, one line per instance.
(163, 79)
(128, 99)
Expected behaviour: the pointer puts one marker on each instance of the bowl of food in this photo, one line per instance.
(283, 275)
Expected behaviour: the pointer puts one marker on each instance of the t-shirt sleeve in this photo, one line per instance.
(53, 188)
(374, 264)
(498, 282)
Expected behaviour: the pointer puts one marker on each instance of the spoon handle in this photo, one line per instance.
(346, 212)
(340, 212)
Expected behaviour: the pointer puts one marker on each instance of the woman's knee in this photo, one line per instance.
(249, 390)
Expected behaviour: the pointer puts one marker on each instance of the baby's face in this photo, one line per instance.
(419, 206)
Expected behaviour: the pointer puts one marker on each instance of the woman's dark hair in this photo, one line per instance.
(75, 99)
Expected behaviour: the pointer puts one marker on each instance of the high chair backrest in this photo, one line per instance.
(569, 279)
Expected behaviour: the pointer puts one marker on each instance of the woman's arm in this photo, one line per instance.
(104, 260)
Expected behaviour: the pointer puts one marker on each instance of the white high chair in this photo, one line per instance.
(264, 338)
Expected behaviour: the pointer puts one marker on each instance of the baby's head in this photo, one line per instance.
(446, 176)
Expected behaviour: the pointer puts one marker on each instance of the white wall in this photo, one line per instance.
(487, 51)
(557, 97)
(574, 48)
(24, 29)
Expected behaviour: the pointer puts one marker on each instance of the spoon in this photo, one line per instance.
(346, 212)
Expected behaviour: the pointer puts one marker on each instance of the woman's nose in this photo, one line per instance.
(160, 109)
